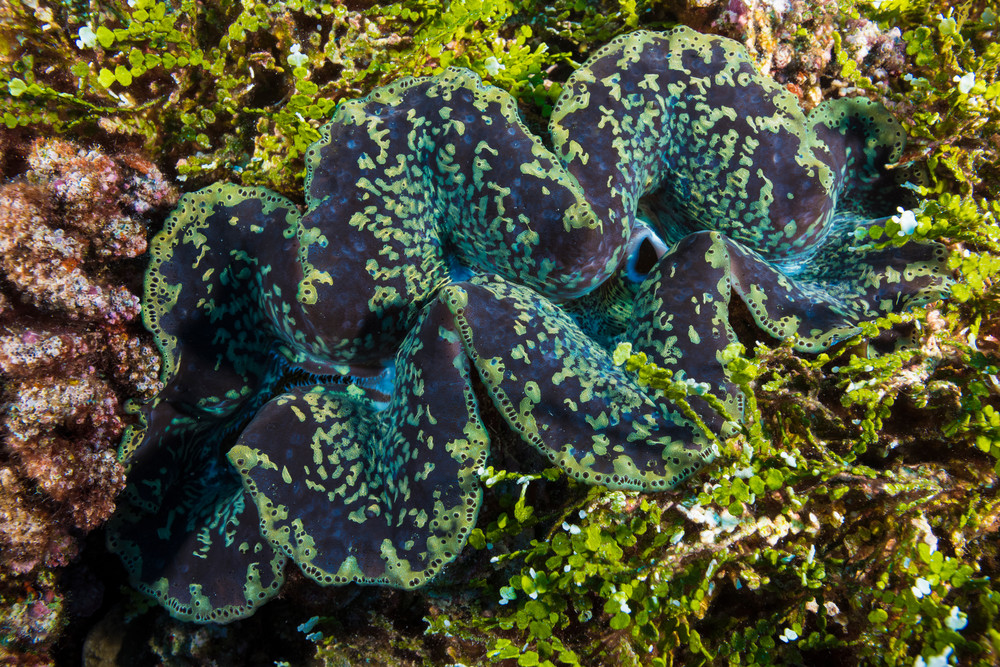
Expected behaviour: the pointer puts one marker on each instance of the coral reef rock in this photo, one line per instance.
(72, 351)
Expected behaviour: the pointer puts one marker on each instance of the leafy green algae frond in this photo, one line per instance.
(330, 375)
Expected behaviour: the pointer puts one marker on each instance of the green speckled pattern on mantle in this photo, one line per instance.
(326, 371)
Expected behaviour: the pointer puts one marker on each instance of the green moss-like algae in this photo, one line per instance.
(449, 262)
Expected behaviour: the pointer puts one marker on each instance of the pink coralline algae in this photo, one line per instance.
(75, 209)
(72, 350)
(793, 41)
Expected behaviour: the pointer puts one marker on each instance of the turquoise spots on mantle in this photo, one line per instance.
(330, 374)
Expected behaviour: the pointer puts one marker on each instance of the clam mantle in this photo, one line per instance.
(328, 373)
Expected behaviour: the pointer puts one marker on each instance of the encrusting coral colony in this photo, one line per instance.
(70, 352)
(327, 374)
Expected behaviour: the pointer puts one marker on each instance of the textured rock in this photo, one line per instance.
(71, 355)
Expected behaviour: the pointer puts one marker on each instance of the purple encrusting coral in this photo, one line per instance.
(793, 41)
(72, 352)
